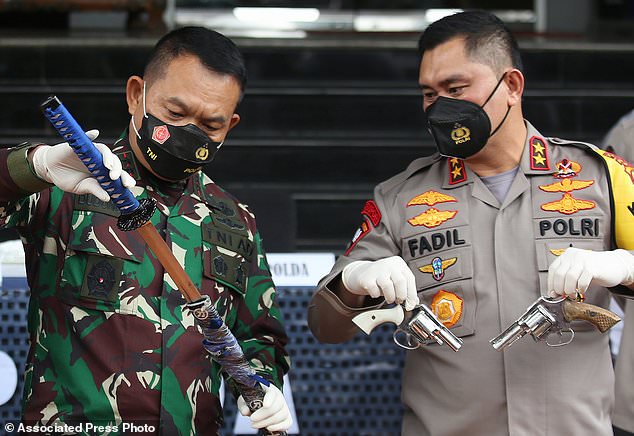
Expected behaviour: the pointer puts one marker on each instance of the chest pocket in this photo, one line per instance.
(444, 276)
(228, 251)
(101, 264)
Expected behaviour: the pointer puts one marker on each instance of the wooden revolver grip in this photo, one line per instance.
(600, 317)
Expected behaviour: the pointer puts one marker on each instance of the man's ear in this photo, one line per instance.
(235, 119)
(134, 93)
(515, 83)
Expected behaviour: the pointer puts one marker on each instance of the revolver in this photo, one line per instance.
(415, 327)
(551, 317)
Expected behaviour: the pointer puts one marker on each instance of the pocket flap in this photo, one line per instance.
(226, 267)
(97, 233)
(548, 251)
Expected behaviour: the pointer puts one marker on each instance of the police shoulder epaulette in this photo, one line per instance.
(413, 168)
(578, 144)
(592, 150)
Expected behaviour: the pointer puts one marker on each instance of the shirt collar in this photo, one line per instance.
(535, 160)
(456, 173)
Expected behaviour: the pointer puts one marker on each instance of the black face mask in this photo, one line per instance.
(173, 152)
(461, 128)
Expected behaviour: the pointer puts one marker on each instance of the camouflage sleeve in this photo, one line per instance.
(259, 327)
(17, 183)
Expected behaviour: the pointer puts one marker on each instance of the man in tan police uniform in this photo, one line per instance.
(477, 233)
(620, 140)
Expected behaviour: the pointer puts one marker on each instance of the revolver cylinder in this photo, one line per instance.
(424, 326)
(537, 321)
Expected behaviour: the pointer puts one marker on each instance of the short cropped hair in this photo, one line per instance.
(214, 50)
(487, 39)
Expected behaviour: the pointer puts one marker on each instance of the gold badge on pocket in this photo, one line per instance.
(447, 307)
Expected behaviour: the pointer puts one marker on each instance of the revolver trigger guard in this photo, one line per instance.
(561, 332)
(408, 342)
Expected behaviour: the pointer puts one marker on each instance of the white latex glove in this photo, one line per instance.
(58, 164)
(273, 415)
(389, 278)
(575, 269)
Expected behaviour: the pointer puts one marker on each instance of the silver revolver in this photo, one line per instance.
(549, 318)
(415, 327)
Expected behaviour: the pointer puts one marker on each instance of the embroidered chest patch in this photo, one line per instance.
(568, 205)
(566, 185)
(430, 198)
(432, 217)
(101, 279)
(447, 307)
(437, 267)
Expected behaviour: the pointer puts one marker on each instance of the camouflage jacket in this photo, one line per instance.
(110, 341)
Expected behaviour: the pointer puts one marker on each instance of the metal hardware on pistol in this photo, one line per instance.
(551, 317)
(415, 327)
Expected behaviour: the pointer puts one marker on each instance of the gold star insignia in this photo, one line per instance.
(539, 160)
(538, 147)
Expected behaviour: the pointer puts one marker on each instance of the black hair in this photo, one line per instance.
(214, 50)
(486, 38)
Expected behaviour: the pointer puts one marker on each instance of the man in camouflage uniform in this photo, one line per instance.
(110, 339)
(620, 140)
(478, 231)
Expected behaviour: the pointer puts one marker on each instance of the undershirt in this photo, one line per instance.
(500, 184)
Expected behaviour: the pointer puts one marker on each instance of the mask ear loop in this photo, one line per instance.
(145, 113)
(492, 92)
(138, 135)
(508, 109)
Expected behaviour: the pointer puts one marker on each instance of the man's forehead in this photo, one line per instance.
(463, 69)
(431, 75)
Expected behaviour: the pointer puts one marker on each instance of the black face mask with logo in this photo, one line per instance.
(461, 128)
(173, 152)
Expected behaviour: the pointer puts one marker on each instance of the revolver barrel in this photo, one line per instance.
(537, 321)
(450, 339)
(508, 337)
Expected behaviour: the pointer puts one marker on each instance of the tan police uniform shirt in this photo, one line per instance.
(621, 139)
(495, 261)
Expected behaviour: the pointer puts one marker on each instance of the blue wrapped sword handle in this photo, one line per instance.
(68, 128)
(133, 212)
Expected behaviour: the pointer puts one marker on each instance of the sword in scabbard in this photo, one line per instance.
(218, 340)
